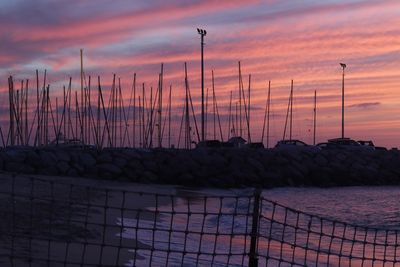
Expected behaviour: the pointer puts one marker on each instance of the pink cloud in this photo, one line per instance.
(300, 43)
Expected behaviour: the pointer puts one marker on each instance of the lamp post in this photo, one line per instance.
(202, 34)
(343, 67)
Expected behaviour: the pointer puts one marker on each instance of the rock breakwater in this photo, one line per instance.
(212, 167)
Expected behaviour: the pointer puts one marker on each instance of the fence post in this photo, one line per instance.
(253, 256)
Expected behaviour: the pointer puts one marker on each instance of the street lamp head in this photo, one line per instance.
(201, 31)
(343, 65)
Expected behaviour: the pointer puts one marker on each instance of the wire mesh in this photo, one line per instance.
(288, 237)
(51, 223)
(46, 222)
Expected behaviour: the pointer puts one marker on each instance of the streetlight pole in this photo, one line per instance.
(202, 33)
(343, 67)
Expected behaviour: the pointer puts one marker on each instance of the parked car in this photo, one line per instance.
(70, 143)
(366, 143)
(295, 144)
(209, 144)
(371, 144)
(347, 143)
(381, 148)
(324, 145)
(255, 145)
(236, 141)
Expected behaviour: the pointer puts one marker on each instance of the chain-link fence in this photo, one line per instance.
(46, 222)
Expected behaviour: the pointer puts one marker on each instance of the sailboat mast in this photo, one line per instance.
(150, 122)
(37, 107)
(240, 101)
(26, 113)
(216, 112)
(287, 114)
(169, 117)
(187, 124)
(143, 125)
(76, 112)
(248, 112)
(291, 111)
(89, 112)
(315, 116)
(57, 132)
(268, 111)
(160, 89)
(140, 119)
(47, 114)
(70, 127)
(206, 116)
(214, 106)
(266, 116)
(230, 117)
(236, 115)
(64, 110)
(11, 106)
(82, 125)
(134, 110)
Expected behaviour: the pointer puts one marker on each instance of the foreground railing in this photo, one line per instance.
(46, 222)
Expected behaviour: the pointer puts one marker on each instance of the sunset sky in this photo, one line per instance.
(274, 40)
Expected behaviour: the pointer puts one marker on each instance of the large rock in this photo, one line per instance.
(49, 170)
(184, 179)
(104, 157)
(33, 158)
(62, 155)
(79, 168)
(129, 174)
(135, 164)
(256, 165)
(120, 162)
(131, 154)
(12, 155)
(109, 169)
(149, 177)
(19, 167)
(63, 167)
(2, 161)
(72, 172)
(213, 167)
(149, 164)
(47, 158)
(87, 160)
(320, 160)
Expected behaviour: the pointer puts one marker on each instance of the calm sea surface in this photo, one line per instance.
(365, 206)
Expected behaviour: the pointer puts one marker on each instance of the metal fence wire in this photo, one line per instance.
(52, 223)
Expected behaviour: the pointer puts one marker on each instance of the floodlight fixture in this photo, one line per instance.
(202, 32)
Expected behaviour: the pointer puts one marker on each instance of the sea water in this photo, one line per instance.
(370, 207)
